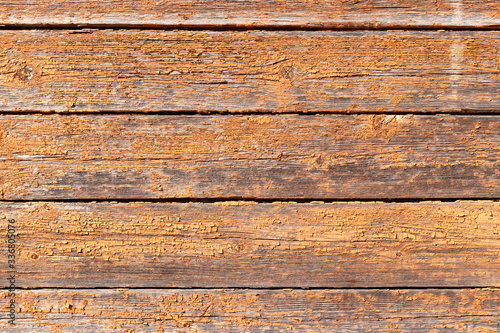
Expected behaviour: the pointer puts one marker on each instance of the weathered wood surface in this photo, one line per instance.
(277, 157)
(245, 244)
(249, 71)
(254, 14)
(72, 311)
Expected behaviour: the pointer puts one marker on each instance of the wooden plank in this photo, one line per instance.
(275, 157)
(255, 71)
(231, 244)
(254, 14)
(474, 310)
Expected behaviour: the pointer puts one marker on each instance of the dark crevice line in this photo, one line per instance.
(256, 200)
(285, 288)
(84, 27)
(464, 112)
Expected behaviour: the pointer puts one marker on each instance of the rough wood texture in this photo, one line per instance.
(249, 71)
(300, 156)
(47, 311)
(233, 244)
(246, 13)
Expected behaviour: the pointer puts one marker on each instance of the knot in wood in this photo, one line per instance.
(25, 74)
(289, 72)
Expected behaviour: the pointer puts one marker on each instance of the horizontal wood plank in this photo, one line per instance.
(256, 13)
(244, 244)
(72, 311)
(272, 157)
(294, 71)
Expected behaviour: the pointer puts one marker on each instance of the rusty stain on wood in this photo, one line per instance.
(287, 71)
(244, 244)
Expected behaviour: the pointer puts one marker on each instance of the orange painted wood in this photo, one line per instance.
(138, 157)
(253, 14)
(259, 245)
(202, 310)
(296, 71)
(89, 254)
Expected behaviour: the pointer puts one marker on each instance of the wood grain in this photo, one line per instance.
(474, 310)
(253, 14)
(244, 244)
(296, 71)
(65, 157)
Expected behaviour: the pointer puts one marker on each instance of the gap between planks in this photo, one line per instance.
(258, 200)
(208, 113)
(284, 288)
(86, 28)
